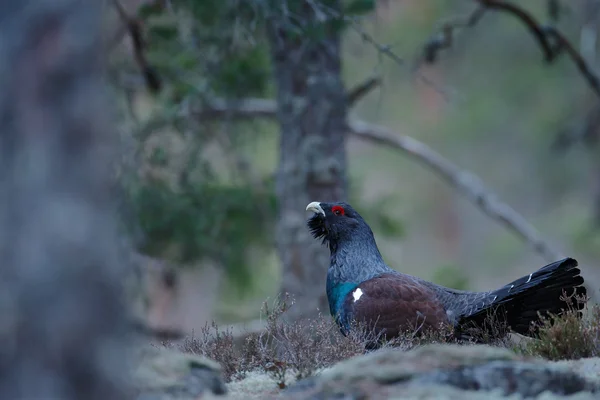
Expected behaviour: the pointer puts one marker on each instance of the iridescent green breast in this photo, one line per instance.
(336, 295)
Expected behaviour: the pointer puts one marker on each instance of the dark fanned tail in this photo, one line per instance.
(521, 302)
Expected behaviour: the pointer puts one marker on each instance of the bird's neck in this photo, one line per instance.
(356, 260)
(352, 262)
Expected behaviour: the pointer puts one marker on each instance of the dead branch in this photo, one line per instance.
(551, 40)
(445, 38)
(238, 109)
(564, 45)
(265, 108)
(535, 28)
(467, 183)
(134, 29)
(362, 89)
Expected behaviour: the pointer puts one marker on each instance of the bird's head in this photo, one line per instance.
(335, 222)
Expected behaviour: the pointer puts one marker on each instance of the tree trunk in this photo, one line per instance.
(65, 325)
(312, 165)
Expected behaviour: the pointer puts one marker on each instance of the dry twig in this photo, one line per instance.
(445, 38)
(362, 89)
(134, 29)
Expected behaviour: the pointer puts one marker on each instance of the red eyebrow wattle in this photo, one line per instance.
(339, 209)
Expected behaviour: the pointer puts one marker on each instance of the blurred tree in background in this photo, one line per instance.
(305, 48)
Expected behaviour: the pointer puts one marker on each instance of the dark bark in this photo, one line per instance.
(312, 166)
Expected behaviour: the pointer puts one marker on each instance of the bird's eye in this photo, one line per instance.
(337, 210)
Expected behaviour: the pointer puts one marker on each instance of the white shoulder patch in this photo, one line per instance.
(356, 294)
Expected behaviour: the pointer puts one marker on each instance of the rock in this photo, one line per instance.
(257, 385)
(589, 368)
(449, 372)
(395, 365)
(169, 374)
(525, 379)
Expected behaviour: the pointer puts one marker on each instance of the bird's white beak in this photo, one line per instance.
(315, 207)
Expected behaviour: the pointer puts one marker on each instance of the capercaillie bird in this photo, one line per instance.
(361, 287)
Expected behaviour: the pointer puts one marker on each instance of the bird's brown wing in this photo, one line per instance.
(390, 304)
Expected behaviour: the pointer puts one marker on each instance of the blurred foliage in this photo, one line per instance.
(191, 205)
(204, 221)
(207, 48)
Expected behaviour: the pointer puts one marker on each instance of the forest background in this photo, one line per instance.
(466, 138)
